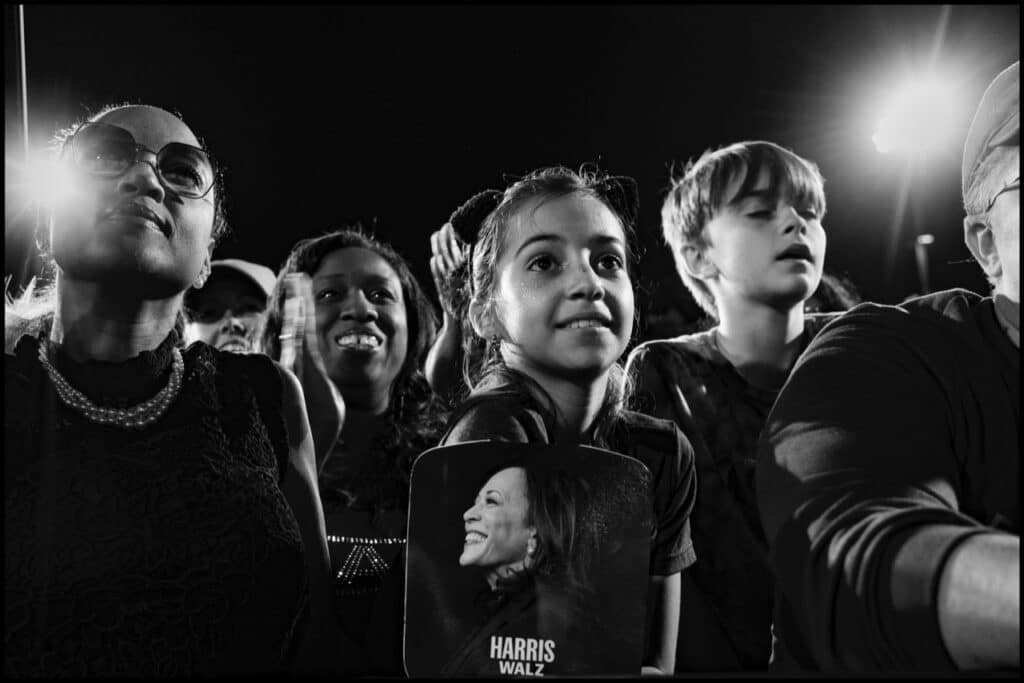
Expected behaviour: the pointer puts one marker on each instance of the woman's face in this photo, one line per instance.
(497, 534)
(361, 321)
(130, 229)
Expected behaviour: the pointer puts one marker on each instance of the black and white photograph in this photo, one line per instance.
(530, 560)
(511, 340)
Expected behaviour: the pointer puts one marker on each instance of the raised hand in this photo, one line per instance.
(300, 353)
(449, 255)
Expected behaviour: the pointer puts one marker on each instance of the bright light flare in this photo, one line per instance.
(919, 118)
(39, 183)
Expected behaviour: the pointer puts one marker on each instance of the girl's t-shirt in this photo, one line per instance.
(509, 415)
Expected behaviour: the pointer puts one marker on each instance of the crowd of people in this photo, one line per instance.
(208, 465)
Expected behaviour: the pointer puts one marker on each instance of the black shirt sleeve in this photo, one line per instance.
(674, 497)
(858, 486)
(495, 419)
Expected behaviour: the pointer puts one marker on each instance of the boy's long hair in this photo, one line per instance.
(487, 371)
(695, 196)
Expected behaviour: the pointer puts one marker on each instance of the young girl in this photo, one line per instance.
(550, 294)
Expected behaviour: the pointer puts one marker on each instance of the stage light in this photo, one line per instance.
(39, 183)
(919, 118)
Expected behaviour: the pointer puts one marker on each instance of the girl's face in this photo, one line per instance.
(130, 227)
(563, 299)
(361, 320)
(496, 531)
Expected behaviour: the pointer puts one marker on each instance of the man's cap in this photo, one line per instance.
(996, 123)
(259, 275)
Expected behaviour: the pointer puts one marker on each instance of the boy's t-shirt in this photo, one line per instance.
(508, 415)
(727, 597)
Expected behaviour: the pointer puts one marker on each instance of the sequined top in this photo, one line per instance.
(366, 498)
(166, 551)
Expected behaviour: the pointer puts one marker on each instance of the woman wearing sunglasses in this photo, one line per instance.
(160, 503)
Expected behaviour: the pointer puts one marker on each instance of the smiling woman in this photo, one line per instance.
(116, 424)
(352, 320)
(497, 534)
(528, 531)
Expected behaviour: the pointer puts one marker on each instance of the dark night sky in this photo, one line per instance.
(394, 115)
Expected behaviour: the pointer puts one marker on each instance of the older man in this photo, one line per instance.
(888, 471)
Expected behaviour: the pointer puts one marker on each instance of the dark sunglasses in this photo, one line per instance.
(105, 150)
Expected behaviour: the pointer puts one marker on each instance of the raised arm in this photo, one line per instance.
(448, 266)
(322, 647)
(300, 355)
(443, 367)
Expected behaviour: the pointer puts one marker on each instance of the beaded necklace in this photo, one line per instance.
(135, 417)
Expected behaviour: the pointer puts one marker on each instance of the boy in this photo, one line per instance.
(744, 226)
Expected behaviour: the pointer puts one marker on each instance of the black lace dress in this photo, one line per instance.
(165, 551)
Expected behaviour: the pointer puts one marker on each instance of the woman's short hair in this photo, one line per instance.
(32, 311)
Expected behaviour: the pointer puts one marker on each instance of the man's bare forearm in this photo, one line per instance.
(979, 602)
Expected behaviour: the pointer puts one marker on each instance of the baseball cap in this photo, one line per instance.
(996, 123)
(259, 275)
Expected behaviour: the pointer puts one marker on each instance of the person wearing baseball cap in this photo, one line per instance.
(226, 312)
(888, 471)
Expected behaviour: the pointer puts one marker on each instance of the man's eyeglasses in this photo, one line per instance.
(1014, 185)
(105, 150)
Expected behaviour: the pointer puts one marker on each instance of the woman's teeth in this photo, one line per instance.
(575, 324)
(357, 341)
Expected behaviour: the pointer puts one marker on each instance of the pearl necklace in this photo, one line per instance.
(136, 417)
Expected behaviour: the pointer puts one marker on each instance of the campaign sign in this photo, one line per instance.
(526, 560)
